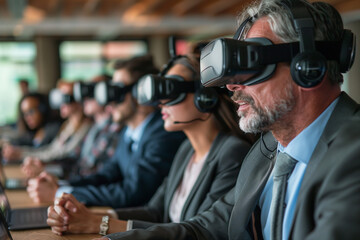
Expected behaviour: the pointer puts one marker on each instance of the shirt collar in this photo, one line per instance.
(103, 123)
(302, 146)
(135, 134)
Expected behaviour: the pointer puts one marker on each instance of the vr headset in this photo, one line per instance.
(83, 90)
(252, 61)
(152, 88)
(111, 92)
(230, 61)
(57, 98)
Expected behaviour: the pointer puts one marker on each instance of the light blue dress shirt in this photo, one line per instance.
(300, 148)
(136, 133)
(130, 134)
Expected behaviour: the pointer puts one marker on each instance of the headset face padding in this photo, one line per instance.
(206, 99)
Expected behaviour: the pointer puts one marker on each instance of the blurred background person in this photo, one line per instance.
(24, 86)
(143, 155)
(37, 125)
(68, 141)
(99, 143)
(101, 140)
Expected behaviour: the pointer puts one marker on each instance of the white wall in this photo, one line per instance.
(352, 78)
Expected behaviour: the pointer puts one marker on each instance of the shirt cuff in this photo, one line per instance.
(63, 189)
(112, 213)
(129, 225)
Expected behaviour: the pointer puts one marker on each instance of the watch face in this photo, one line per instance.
(104, 225)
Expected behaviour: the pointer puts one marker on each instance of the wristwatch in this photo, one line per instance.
(104, 226)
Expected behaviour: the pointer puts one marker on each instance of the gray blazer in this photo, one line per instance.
(328, 204)
(216, 178)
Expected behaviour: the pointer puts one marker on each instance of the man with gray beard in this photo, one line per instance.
(262, 117)
(301, 180)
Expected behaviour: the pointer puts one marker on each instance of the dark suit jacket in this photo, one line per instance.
(131, 178)
(328, 204)
(51, 129)
(216, 178)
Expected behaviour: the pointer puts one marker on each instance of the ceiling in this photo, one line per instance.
(113, 18)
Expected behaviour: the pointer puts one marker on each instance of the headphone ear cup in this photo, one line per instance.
(42, 108)
(347, 50)
(206, 99)
(308, 69)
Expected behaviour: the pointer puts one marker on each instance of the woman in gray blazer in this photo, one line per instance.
(205, 166)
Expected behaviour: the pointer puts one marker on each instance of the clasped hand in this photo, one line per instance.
(69, 215)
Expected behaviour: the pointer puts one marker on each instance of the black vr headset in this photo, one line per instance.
(152, 88)
(57, 98)
(83, 90)
(173, 88)
(111, 92)
(252, 61)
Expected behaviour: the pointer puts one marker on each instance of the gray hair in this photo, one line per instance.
(327, 21)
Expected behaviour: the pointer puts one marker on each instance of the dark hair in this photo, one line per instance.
(137, 66)
(328, 25)
(43, 107)
(102, 77)
(24, 81)
(198, 47)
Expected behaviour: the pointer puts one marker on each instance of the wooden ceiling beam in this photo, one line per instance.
(184, 7)
(164, 9)
(4, 13)
(73, 8)
(136, 13)
(153, 6)
(141, 7)
(123, 7)
(90, 7)
(222, 6)
(54, 8)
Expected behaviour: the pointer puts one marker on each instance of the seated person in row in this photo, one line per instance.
(68, 141)
(98, 144)
(301, 180)
(37, 126)
(204, 168)
(143, 155)
(101, 141)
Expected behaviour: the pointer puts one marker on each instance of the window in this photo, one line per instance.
(82, 60)
(17, 61)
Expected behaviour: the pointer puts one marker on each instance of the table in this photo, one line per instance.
(20, 198)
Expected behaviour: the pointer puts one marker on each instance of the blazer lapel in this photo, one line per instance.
(176, 181)
(212, 153)
(252, 178)
(344, 109)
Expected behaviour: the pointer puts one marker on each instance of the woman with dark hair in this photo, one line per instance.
(36, 127)
(67, 143)
(204, 168)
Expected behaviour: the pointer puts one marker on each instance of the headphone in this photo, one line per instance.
(43, 108)
(205, 99)
(309, 66)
